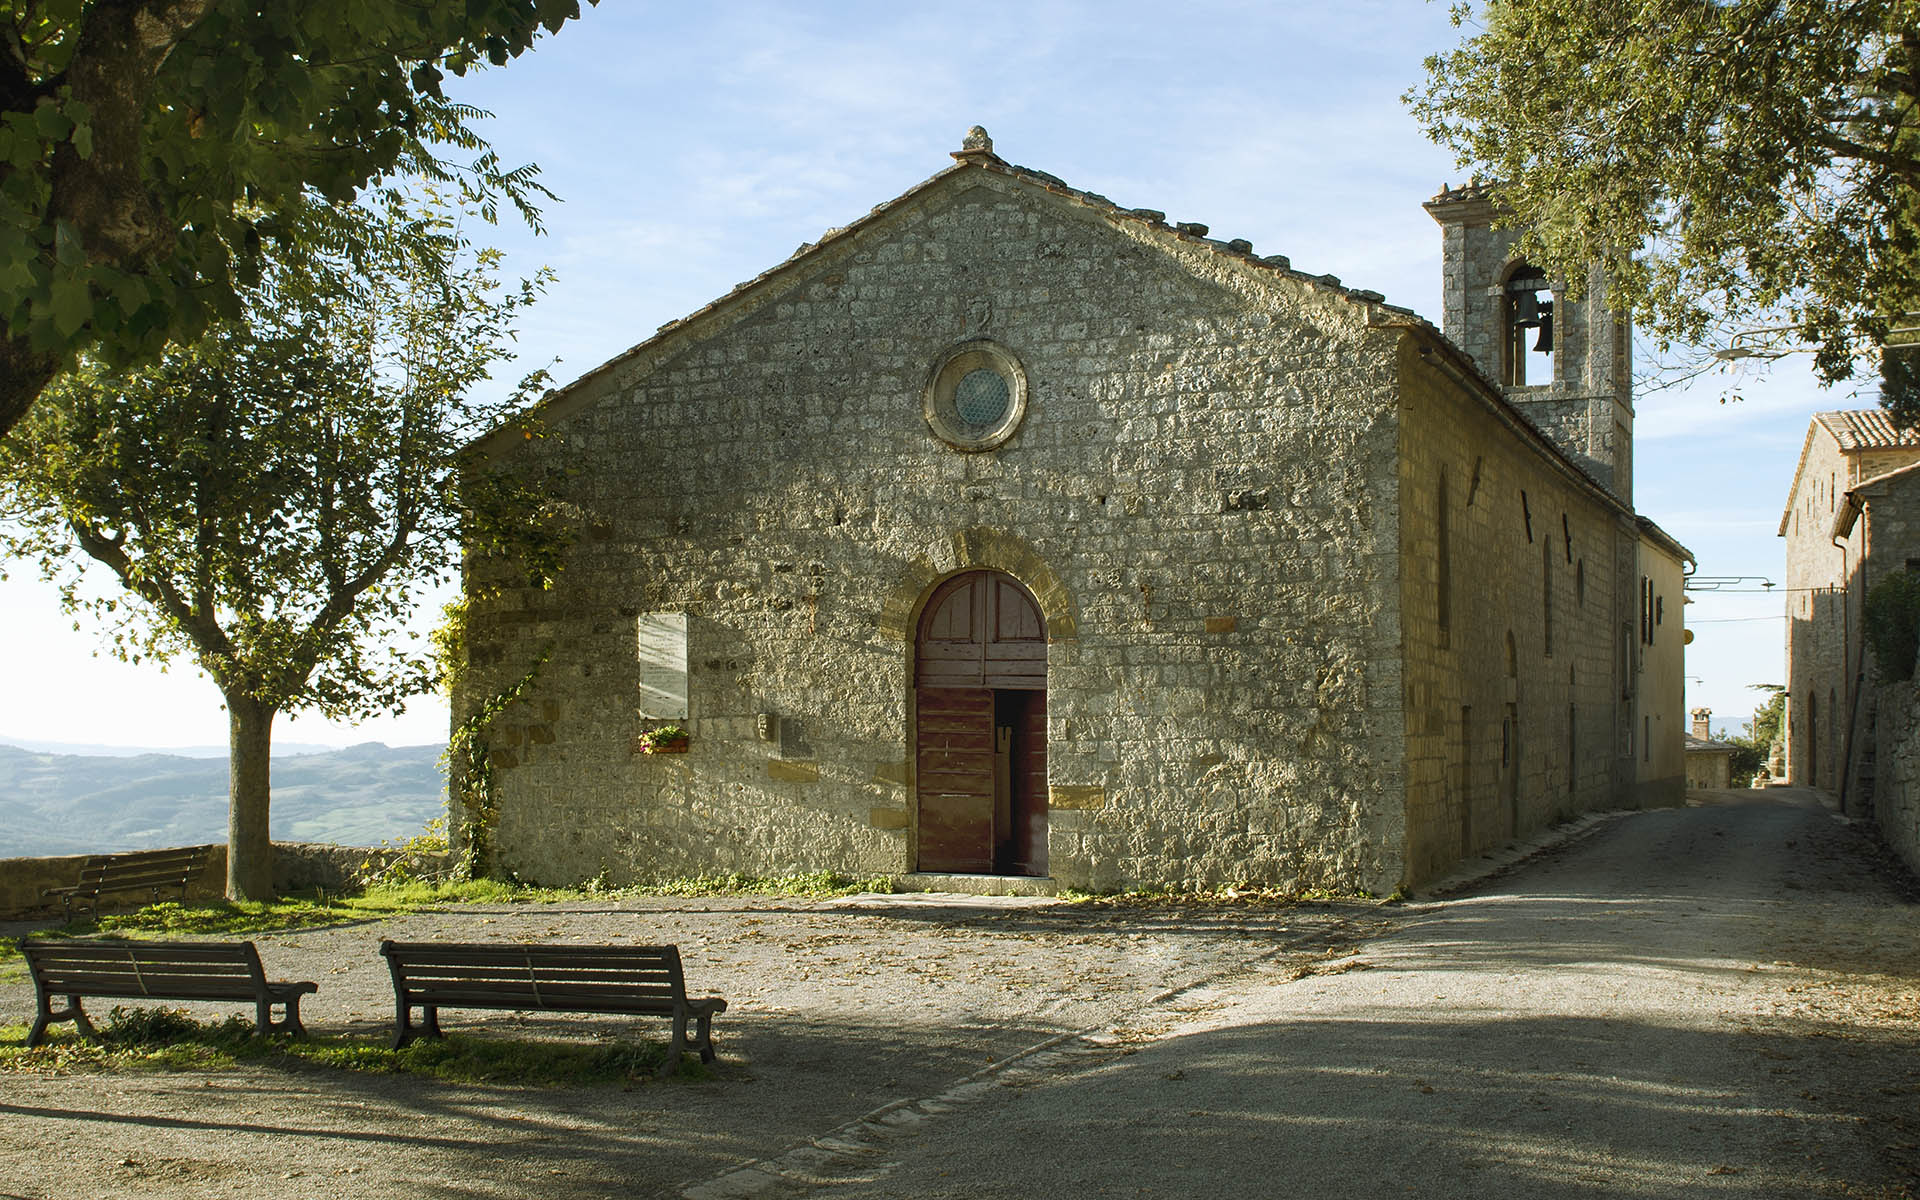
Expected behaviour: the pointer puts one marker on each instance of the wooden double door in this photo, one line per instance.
(980, 729)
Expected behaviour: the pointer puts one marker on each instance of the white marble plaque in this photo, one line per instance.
(661, 638)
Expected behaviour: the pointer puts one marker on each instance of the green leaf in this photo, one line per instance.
(52, 124)
(72, 306)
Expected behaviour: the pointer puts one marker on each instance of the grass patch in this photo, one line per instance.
(243, 918)
(817, 885)
(164, 1039)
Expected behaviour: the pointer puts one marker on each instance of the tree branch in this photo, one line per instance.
(215, 648)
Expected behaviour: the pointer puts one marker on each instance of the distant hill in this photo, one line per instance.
(88, 804)
(102, 750)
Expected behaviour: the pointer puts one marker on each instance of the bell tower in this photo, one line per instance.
(1565, 364)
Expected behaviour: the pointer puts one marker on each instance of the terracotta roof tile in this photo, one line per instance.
(1866, 429)
(1474, 190)
(1699, 743)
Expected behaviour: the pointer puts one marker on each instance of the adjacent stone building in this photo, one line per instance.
(1847, 520)
(1709, 761)
(1010, 537)
(1852, 519)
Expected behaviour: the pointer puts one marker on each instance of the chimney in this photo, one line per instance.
(1700, 716)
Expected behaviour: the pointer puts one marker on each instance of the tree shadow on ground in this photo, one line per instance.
(1498, 1107)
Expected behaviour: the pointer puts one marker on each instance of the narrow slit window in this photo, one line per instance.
(1546, 593)
(1443, 598)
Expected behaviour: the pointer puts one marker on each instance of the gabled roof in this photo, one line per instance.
(1853, 430)
(975, 155)
(1664, 540)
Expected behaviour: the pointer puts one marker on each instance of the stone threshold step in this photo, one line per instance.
(978, 885)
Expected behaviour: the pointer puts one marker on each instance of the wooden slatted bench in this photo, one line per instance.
(504, 975)
(150, 871)
(155, 971)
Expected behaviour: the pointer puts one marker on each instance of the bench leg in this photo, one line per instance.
(47, 1016)
(675, 1042)
(290, 1024)
(404, 1029)
(705, 1041)
(402, 1023)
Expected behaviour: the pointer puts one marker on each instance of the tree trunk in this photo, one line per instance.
(249, 790)
(23, 372)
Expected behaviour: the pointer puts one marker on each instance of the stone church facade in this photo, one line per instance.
(1009, 537)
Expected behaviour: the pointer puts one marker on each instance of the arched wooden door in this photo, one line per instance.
(980, 733)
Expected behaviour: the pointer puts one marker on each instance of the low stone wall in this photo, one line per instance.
(297, 867)
(1896, 785)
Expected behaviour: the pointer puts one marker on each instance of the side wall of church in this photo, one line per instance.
(1202, 497)
(1515, 704)
(1659, 730)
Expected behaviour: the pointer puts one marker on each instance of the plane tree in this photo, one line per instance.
(1745, 169)
(272, 496)
(151, 151)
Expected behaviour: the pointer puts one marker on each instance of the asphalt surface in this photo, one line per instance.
(1716, 1000)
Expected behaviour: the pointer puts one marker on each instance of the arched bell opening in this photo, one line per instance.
(1526, 311)
(980, 728)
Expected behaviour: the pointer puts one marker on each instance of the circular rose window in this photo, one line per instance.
(976, 396)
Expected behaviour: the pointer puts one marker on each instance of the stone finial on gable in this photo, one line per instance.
(977, 148)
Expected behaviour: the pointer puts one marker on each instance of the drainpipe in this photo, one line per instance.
(1857, 684)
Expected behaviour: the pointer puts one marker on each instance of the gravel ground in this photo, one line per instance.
(1719, 999)
(835, 1009)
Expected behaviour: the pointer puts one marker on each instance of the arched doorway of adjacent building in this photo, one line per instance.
(980, 728)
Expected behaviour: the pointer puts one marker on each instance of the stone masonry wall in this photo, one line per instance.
(1659, 720)
(1202, 495)
(1819, 666)
(1507, 730)
(1816, 574)
(298, 867)
(1896, 793)
(1709, 769)
(1889, 531)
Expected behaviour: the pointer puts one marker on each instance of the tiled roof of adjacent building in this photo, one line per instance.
(1697, 744)
(1853, 430)
(1866, 429)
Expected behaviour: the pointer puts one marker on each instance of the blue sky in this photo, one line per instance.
(693, 146)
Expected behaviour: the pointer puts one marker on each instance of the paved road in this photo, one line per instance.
(1716, 1000)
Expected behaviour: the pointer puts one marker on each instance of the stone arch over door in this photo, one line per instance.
(978, 547)
(980, 728)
